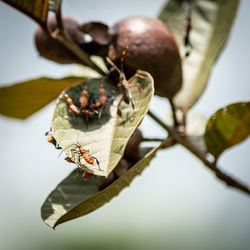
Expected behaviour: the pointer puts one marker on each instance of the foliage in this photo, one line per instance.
(107, 136)
(212, 21)
(75, 197)
(32, 95)
(227, 127)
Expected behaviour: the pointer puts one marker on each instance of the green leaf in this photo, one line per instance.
(37, 10)
(24, 99)
(75, 197)
(211, 25)
(227, 127)
(105, 138)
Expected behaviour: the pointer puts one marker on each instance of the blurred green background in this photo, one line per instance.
(176, 203)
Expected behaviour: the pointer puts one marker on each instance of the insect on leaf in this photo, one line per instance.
(227, 127)
(76, 197)
(107, 137)
(211, 24)
(23, 99)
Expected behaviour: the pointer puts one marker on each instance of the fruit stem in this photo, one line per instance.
(83, 56)
(59, 15)
(60, 35)
(176, 123)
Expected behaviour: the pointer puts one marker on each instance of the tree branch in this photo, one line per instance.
(185, 142)
(83, 56)
(60, 35)
(59, 15)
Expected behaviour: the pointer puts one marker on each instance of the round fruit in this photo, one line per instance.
(104, 182)
(150, 46)
(54, 50)
(122, 167)
(132, 152)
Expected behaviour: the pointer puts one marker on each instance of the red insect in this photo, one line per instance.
(84, 100)
(72, 107)
(103, 99)
(68, 159)
(83, 110)
(52, 140)
(102, 102)
(84, 154)
(85, 174)
(89, 114)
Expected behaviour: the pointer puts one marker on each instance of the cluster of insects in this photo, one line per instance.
(81, 152)
(91, 106)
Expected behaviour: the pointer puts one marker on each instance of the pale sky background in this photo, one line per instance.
(175, 204)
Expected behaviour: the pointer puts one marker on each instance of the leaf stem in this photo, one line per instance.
(176, 123)
(185, 142)
(152, 140)
(60, 35)
(59, 15)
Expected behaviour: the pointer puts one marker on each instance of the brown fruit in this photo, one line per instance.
(54, 50)
(151, 47)
(104, 182)
(122, 167)
(132, 152)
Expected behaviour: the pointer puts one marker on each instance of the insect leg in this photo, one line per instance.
(98, 163)
(74, 152)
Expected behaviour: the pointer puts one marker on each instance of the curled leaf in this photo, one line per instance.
(211, 23)
(104, 138)
(76, 197)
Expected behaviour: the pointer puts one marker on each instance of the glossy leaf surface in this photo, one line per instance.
(211, 24)
(37, 10)
(23, 99)
(227, 127)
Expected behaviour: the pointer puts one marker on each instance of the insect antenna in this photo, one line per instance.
(113, 65)
(66, 148)
(123, 58)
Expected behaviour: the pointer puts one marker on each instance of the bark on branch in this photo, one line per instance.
(183, 140)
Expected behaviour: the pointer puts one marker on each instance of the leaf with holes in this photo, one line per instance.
(23, 99)
(76, 197)
(37, 10)
(104, 138)
(227, 127)
(212, 21)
